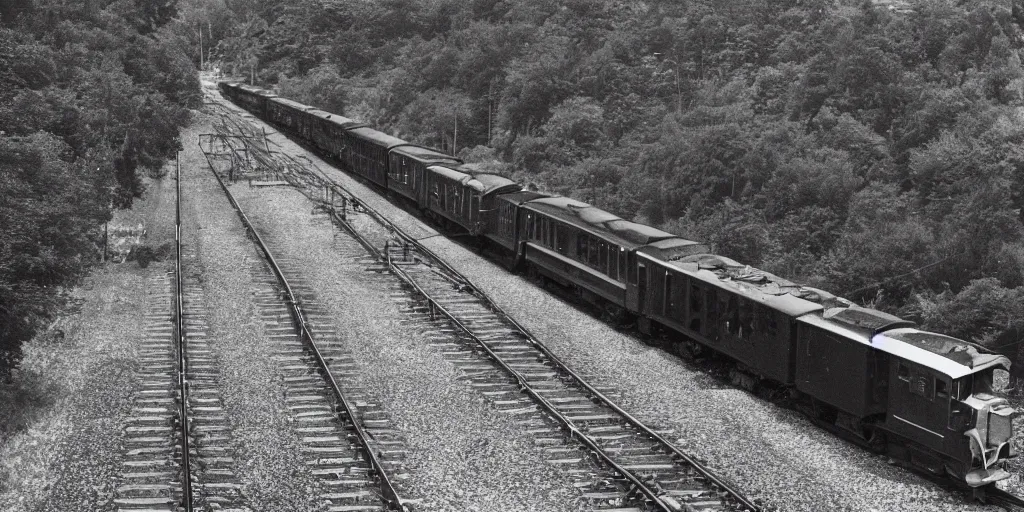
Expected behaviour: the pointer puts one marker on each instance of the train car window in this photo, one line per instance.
(613, 261)
(714, 317)
(732, 316)
(922, 384)
(603, 257)
(696, 298)
(746, 319)
(623, 264)
(771, 324)
(962, 387)
(903, 372)
(941, 389)
(562, 239)
(667, 304)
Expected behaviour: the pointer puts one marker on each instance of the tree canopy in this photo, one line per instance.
(92, 95)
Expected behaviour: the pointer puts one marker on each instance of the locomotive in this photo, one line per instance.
(923, 398)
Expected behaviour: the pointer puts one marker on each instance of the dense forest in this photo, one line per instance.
(870, 149)
(92, 95)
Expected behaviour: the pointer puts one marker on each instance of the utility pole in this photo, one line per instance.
(455, 138)
(490, 104)
(200, 46)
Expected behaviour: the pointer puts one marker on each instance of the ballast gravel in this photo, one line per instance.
(268, 457)
(463, 454)
(771, 453)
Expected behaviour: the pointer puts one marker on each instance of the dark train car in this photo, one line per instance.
(253, 99)
(502, 222)
(407, 168)
(742, 312)
(458, 198)
(288, 115)
(227, 89)
(579, 245)
(366, 153)
(941, 397)
(327, 131)
(837, 366)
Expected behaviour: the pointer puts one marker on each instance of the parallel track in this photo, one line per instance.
(156, 471)
(179, 329)
(303, 318)
(653, 470)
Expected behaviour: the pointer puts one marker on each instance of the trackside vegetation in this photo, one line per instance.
(92, 95)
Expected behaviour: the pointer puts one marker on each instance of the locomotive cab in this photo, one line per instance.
(941, 399)
(986, 421)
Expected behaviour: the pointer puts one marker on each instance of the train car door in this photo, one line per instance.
(917, 408)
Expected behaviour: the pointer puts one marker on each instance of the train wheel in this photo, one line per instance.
(692, 349)
(876, 439)
(744, 380)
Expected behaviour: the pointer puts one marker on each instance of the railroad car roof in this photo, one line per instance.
(485, 183)
(946, 354)
(291, 103)
(341, 121)
(377, 137)
(493, 182)
(256, 90)
(522, 196)
(425, 154)
(757, 285)
(674, 248)
(609, 225)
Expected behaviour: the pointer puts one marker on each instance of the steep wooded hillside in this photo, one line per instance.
(872, 152)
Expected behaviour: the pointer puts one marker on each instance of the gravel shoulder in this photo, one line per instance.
(463, 454)
(772, 453)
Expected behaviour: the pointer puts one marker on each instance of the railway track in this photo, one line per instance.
(154, 473)
(157, 471)
(347, 440)
(512, 368)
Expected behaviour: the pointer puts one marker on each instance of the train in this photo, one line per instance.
(923, 398)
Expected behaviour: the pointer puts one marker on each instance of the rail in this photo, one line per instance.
(179, 326)
(389, 494)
